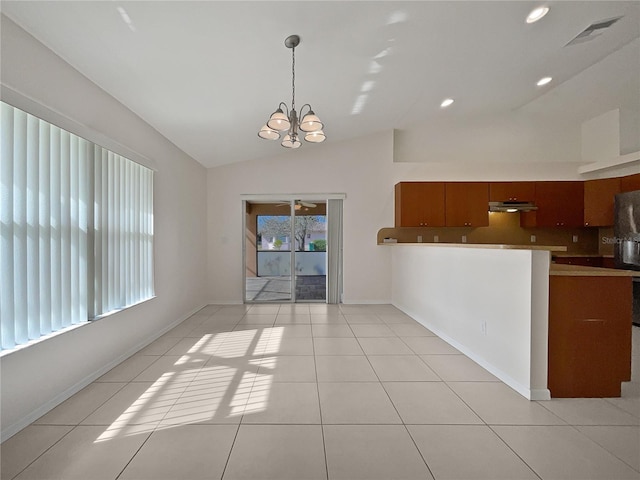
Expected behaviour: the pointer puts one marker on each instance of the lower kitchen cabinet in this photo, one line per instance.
(589, 335)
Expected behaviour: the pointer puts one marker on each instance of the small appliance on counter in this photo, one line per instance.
(626, 231)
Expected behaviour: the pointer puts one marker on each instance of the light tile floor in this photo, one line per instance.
(320, 391)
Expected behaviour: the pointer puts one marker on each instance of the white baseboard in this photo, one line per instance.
(11, 430)
(364, 301)
(524, 390)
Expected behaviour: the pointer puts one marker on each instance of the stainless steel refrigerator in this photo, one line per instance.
(626, 232)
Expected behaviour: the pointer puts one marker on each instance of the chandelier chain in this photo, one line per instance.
(293, 78)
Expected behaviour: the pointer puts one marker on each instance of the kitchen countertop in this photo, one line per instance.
(550, 248)
(557, 269)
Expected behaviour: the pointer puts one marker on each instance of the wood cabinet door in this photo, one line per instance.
(589, 346)
(630, 183)
(408, 205)
(433, 213)
(419, 204)
(598, 201)
(512, 191)
(560, 204)
(467, 204)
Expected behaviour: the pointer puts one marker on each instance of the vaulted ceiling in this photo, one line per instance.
(207, 74)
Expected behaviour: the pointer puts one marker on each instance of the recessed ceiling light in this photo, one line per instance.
(536, 14)
(446, 102)
(543, 81)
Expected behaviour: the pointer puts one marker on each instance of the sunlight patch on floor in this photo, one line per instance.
(215, 381)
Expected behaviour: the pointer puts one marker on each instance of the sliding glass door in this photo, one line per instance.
(268, 254)
(310, 232)
(285, 251)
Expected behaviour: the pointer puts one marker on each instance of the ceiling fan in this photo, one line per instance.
(299, 204)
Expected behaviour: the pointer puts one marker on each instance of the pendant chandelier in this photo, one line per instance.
(279, 121)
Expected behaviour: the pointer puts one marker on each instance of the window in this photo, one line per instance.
(76, 232)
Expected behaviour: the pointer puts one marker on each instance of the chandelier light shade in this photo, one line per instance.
(268, 133)
(315, 137)
(290, 141)
(287, 120)
(279, 121)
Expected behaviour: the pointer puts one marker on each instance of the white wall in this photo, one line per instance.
(491, 304)
(361, 169)
(35, 379)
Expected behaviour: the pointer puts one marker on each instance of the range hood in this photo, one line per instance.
(512, 206)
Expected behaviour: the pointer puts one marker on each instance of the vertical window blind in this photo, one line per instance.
(76, 231)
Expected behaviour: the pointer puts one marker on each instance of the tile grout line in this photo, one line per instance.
(490, 427)
(226, 464)
(324, 444)
(135, 453)
(233, 444)
(46, 450)
(395, 408)
(485, 424)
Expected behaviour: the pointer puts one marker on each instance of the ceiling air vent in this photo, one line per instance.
(592, 31)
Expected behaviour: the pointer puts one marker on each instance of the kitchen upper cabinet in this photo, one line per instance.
(512, 191)
(419, 204)
(630, 183)
(467, 204)
(560, 204)
(598, 201)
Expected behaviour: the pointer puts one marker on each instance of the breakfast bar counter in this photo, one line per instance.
(546, 330)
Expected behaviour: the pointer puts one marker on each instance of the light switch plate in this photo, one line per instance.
(419, 238)
(533, 239)
(436, 239)
(575, 239)
(464, 239)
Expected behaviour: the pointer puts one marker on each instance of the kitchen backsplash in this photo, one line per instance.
(605, 241)
(504, 228)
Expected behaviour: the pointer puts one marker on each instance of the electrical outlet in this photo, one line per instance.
(419, 238)
(464, 239)
(436, 239)
(575, 239)
(533, 239)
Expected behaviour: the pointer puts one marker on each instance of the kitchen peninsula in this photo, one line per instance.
(516, 314)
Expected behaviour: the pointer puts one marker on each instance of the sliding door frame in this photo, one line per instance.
(291, 198)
